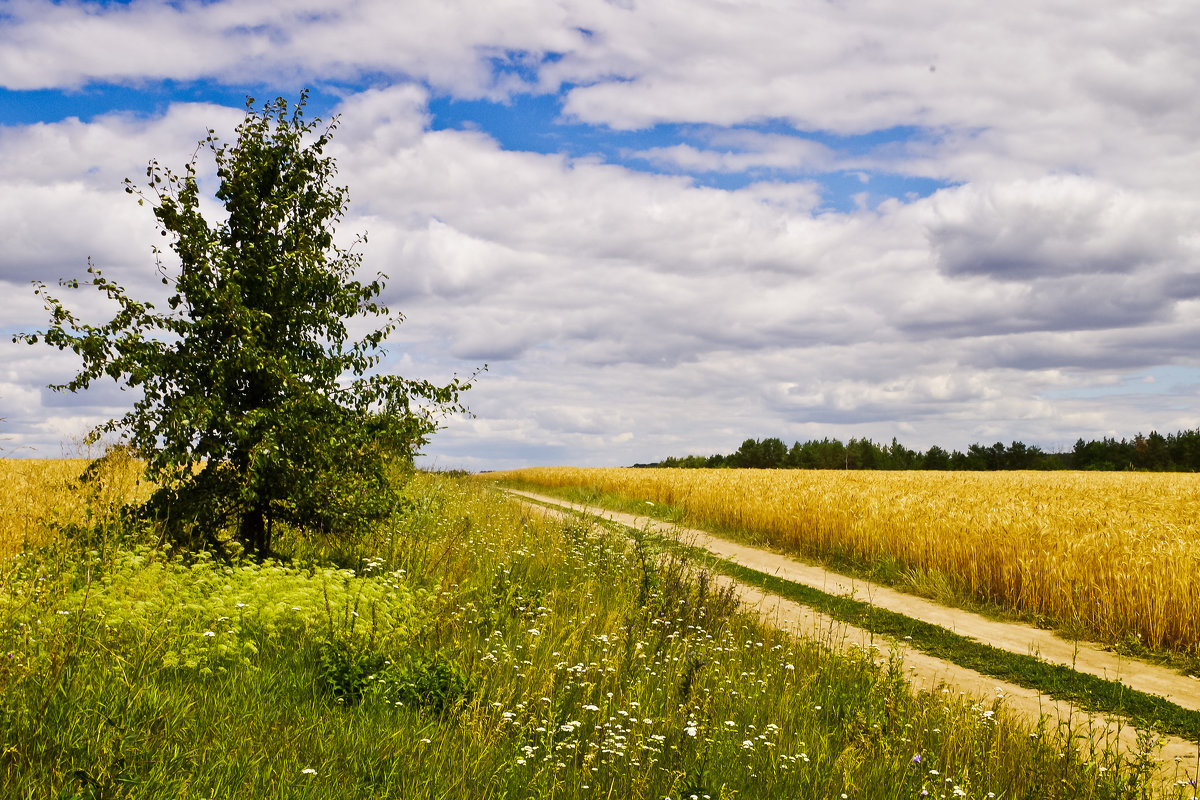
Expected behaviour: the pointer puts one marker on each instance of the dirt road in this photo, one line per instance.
(932, 673)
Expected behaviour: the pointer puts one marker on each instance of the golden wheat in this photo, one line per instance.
(1117, 554)
(39, 497)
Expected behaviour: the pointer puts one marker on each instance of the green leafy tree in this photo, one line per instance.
(257, 406)
(936, 458)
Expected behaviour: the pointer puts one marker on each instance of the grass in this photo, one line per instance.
(471, 649)
(1055, 680)
(1109, 555)
(884, 570)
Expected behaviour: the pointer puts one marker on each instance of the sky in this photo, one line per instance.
(665, 227)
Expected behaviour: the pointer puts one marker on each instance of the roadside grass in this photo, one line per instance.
(1056, 680)
(885, 571)
(472, 649)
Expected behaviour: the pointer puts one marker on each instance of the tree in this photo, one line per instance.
(771, 453)
(862, 454)
(753, 454)
(936, 458)
(746, 456)
(257, 407)
(900, 457)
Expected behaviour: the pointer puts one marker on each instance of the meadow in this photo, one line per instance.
(1106, 556)
(468, 648)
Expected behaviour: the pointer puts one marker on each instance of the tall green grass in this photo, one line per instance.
(472, 649)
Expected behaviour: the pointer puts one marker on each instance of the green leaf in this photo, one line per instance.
(246, 376)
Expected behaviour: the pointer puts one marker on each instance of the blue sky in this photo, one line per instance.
(668, 226)
(535, 123)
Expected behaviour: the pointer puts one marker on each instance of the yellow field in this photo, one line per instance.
(38, 496)
(1115, 553)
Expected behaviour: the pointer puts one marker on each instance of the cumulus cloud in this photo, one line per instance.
(736, 151)
(1083, 86)
(451, 43)
(628, 310)
(1056, 226)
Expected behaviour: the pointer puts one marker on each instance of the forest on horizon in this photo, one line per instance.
(1175, 452)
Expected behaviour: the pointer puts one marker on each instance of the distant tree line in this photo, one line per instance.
(1176, 452)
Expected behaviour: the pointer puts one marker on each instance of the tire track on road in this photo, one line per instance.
(1178, 757)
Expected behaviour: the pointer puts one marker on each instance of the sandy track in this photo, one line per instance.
(1180, 758)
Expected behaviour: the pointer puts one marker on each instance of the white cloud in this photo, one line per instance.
(629, 315)
(447, 42)
(1055, 226)
(743, 151)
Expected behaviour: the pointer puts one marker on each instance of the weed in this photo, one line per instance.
(433, 682)
(511, 657)
(348, 668)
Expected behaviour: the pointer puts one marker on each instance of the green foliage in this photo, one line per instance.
(434, 682)
(1176, 452)
(348, 668)
(257, 407)
(146, 676)
(358, 664)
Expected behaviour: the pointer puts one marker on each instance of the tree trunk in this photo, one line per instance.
(255, 532)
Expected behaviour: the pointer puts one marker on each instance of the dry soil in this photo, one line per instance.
(1180, 759)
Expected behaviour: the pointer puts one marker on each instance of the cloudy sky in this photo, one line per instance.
(667, 226)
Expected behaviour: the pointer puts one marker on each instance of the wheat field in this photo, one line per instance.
(40, 497)
(1114, 554)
